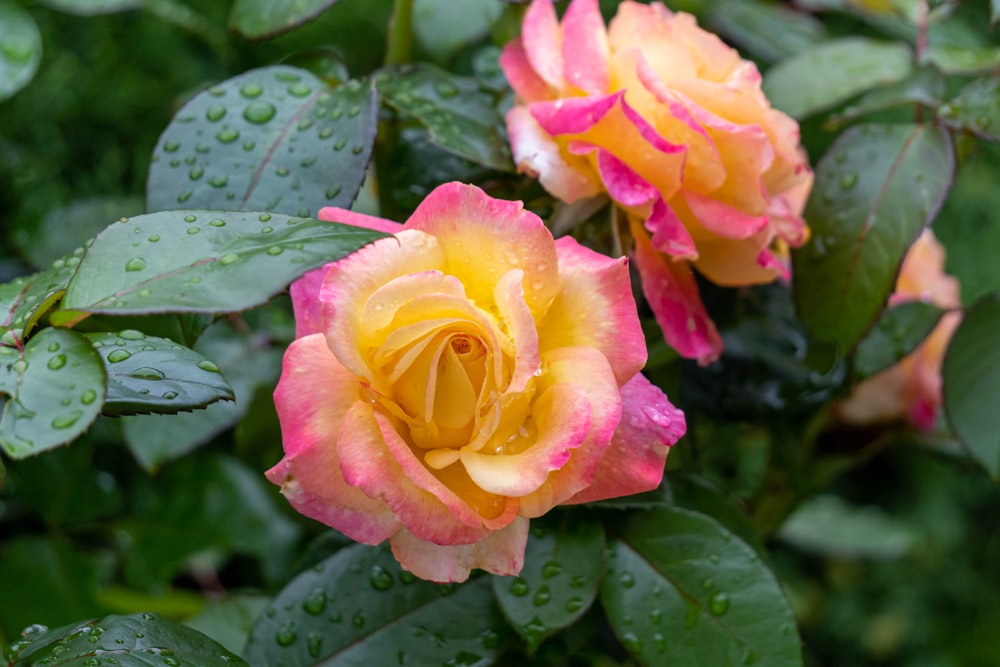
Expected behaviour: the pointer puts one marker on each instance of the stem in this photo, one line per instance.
(923, 25)
(398, 51)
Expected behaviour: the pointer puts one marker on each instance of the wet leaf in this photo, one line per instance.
(971, 377)
(25, 300)
(55, 389)
(563, 568)
(360, 608)
(229, 621)
(876, 188)
(135, 640)
(975, 109)
(20, 48)
(898, 332)
(444, 27)
(92, 7)
(147, 374)
(926, 87)
(461, 118)
(274, 139)
(202, 261)
(828, 526)
(830, 73)
(962, 61)
(770, 32)
(260, 19)
(682, 590)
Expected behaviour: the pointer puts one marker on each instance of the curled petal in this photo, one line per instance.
(672, 293)
(585, 47)
(634, 462)
(541, 35)
(669, 233)
(501, 553)
(723, 220)
(572, 115)
(314, 392)
(521, 75)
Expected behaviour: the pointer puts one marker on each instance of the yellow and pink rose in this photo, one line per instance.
(673, 125)
(461, 377)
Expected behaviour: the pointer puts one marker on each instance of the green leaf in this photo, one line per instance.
(830, 73)
(962, 61)
(56, 388)
(926, 87)
(92, 7)
(682, 590)
(155, 439)
(135, 640)
(204, 504)
(975, 109)
(147, 374)
(876, 188)
(444, 27)
(229, 621)
(274, 139)
(203, 261)
(694, 492)
(360, 608)
(461, 118)
(971, 377)
(770, 32)
(20, 48)
(828, 526)
(260, 19)
(562, 574)
(994, 12)
(897, 333)
(66, 228)
(25, 300)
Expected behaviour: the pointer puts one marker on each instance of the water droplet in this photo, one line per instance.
(314, 642)
(202, 148)
(219, 181)
(56, 362)
(154, 238)
(299, 90)
(656, 615)
(215, 112)
(228, 135)
(218, 223)
(171, 146)
(707, 583)
(275, 250)
(229, 258)
(445, 89)
(574, 604)
(631, 642)
(353, 111)
(359, 620)
(265, 217)
(286, 634)
(193, 230)
(718, 604)
(190, 218)
(259, 112)
(849, 180)
(266, 230)
(209, 366)
(542, 597)
(170, 395)
(251, 90)
(67, 420)
(173, 662)
(519, 587)
(88, 397)
(315, 602)
(551, 569)
(407, 578)
(305, 124)
(184, 196)
(118, 355)
(381, 580)
(339, 144)
(325, 133)
(626, 580)
(135, 264)
(281, 171)
(357, 150)
(249, 145)
(147, 373)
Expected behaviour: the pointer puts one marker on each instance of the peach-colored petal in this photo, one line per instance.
(566, 176)
(521, 75)
(541, 35)
(505, 237)
(723, 220)
(670, 236)
(346, 217)
(672, 293)
(589, 370)
(520, 323)
(649, 29)
(350, 283)
(501, 553)
(735, 263)
(634, 462)
(599, 286)
(314, 393)
(585, 47)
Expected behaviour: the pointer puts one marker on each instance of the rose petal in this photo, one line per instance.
(599, 286)
(306, 305)
(312, 397)
(624, 185)
(504, 237)
(501, 553)
(585, 47)
(670, 236)
(634, 462)
(542, 39)
(343, 216)
(521, 75)
(672, 293)
(724, 220)
(572, 115)
(565, 176)
(736, 263)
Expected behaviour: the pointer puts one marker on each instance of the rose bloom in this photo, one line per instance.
(451, 382)
(672, 124)
(911, 389)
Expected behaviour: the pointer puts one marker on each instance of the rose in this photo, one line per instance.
(450, 383)
(672, 124)
(911, 389)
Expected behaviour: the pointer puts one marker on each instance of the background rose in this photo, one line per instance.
(911, 389)
(456, 380)
(672, 124)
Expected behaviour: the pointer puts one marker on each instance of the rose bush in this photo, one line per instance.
(451, 382)
(673, 125)
(911, 389)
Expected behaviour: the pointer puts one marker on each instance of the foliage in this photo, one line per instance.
(161, 166)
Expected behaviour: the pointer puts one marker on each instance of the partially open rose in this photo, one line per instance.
(453, 381)
(672, 124)
(911, 389)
